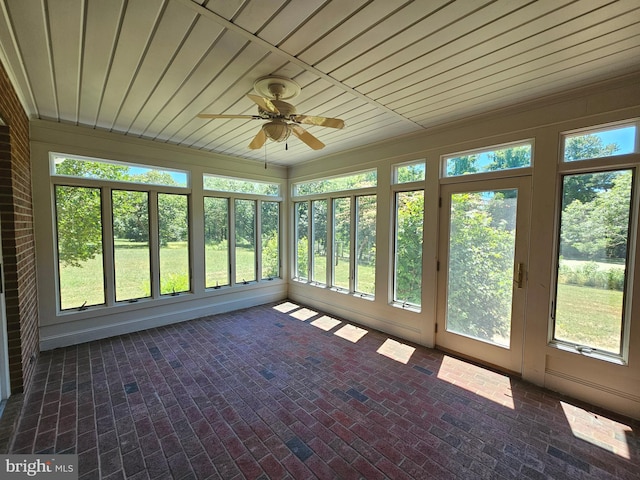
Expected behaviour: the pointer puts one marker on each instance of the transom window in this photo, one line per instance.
(495, 159)
(600, 143)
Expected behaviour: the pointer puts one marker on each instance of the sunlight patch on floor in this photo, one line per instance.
(286, 307)
(478, 380)
(598, 430)
(303, 314)
(351, 333)
(396, 351)
(325, 323)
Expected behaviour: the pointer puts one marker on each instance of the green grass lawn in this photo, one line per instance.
(78, 284)
(589, 316)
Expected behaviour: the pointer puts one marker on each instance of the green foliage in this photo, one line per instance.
(338, 184)
(79, 224)
(408, 266)
(591, 274)
(481, 253)
(597, 228)
(270, 256)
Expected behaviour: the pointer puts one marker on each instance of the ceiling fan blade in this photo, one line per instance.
(320, 121)
(258, 140)
(306, 137)
(264, 103)
(213, 115)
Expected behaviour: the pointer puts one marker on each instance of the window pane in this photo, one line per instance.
(489, 161)
(110, 170)
(270, 240)
(80, 262)
(216, 241)
(131, 244)
(238, 185)
(319, 229)
(366, 244)
(245, 229)
(606, 143)
(414, 172)
(173, 224)
(408, 243)
(302, 241)
(594, 236)
(337, 184)
(341, 242)
(481, 264)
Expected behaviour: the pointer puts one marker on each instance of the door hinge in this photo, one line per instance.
(436, 328)
(440, 202)
(437, 265)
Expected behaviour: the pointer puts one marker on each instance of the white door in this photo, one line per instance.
(483, 262)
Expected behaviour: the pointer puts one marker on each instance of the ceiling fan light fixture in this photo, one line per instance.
(277, 130)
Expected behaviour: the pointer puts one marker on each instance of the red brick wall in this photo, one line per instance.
(16, 221)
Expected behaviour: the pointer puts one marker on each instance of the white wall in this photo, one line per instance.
(612, 385)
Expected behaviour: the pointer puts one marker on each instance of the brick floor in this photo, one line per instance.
(266, 393)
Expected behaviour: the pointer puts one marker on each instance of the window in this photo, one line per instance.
(302, 240)
(245, 245)
(601, 143)
(409, 215)
(238, 185)
(480, 161)
(173, 234)
(589, 310)
(319, 234)
(408, 198)
(216, 236)
(365, 179)
(336, 234)
(84, 167)
(131, 254)
(270, 233)
(365, 261)
(342, 243)
(80, 253)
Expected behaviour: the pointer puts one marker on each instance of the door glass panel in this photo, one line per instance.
(481, 264)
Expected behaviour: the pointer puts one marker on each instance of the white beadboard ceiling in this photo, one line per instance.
(146, 68)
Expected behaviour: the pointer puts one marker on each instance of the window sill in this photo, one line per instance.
(589, 353)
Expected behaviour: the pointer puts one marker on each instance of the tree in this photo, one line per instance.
(598, 228)
(481, 253)
(408, 265)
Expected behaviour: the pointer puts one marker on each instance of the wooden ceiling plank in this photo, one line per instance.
(31, 32)
(236, 80)
(419, 38)
(551, 54)
(397, 23)
(318, 26)
(417, 55)
(564, 70)
(174, 28)
(66, 21)
(368, 16)
(254, 15)
(495, 37)
(138, 26)
(201, 39)
(288, 20)
(101, 34)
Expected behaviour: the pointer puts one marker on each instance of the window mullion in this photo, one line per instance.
(108, 247)
(154, 244)
(329, 242)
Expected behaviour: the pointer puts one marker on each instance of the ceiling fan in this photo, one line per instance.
(282, 117)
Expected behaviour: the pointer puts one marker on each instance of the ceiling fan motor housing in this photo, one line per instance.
(277, 130)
